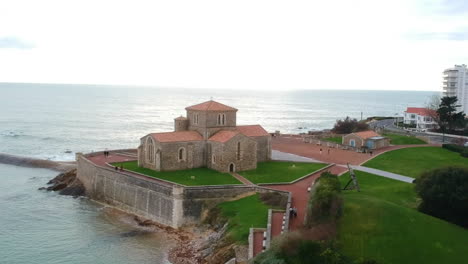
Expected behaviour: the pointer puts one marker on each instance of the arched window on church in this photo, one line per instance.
(150, 150)
(219, 119)
(238, 150)
(195, 118)
(224, 119)
(181, 154)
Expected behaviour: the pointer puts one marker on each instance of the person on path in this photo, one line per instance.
(295, 212)
(291, 212)
(320, 151)
(328, 151)
(370, 152)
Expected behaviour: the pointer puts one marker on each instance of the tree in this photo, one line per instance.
(349, 125)
(444, 194)
(433, 105)
(449, 118)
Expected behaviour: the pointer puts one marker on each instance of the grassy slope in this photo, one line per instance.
(403, 140)
(333, 139)
(276, 171)
(243, 214)
(203, 176)
(381, 223)
(414, 161)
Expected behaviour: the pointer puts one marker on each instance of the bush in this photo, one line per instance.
(274, 199)
(294, 248)
(444, 194)
(453, 147)
(464, 153)
(349, 125)
(456, 148)
(325, 204)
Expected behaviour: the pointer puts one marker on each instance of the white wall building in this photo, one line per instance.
(456, 84)
(420, 117)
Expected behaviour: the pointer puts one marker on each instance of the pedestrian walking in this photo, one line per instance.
(295, 212)
(320, 151)
(328, 151)
(291, 212)
(370, 152)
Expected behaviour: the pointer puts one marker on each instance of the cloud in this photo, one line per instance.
(461, 35)
(14, 43)
(445, 7)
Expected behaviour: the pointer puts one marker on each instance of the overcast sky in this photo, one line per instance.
(281, 45)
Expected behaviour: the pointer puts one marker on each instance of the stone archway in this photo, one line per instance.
(232, 167)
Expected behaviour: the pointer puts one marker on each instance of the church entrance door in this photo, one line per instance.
(232, 168)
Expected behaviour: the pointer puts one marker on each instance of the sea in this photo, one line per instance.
(55, 121)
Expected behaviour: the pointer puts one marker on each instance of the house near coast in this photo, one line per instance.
(421, 118)
(366, 139)
(208, 136)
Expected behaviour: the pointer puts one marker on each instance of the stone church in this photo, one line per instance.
(207, 137)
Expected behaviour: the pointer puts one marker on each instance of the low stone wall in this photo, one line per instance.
(169, 204)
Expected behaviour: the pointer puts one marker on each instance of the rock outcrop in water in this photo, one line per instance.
(66, 183)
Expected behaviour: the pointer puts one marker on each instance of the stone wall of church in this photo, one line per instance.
(194, 155)
(226, 153)
(143, 157)
(263, 148)
(208, 122)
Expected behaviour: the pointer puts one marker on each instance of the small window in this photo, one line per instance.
(181, 154)
(223, 119)
(150, 149)
(238, 150)
(213, 159)
(219, 119)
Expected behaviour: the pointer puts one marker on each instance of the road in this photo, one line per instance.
(388, 124)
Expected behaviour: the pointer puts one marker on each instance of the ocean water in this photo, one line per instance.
(43, 227)
(46, 121)
(56, 121)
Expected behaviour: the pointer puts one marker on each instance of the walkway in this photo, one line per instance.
(241, 179)
(279, 155)
(300, 195)
(296, 146)
(385, 174)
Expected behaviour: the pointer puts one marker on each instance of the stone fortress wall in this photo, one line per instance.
(163, 202)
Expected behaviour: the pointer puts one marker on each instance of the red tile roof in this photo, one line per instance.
(211, 106)
(367, 134)
(420, 111)
(181, 118)
(223, 135)
(252, 130)
(177, 136)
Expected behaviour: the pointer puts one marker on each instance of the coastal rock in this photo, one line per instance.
(66, 183)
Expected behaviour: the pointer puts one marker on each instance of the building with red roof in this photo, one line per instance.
(420, 117)
(366, 139)
(207, 137)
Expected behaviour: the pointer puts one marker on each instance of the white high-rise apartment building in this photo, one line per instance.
(456, 84)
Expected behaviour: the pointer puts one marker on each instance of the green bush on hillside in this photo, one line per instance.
(325, 204)
(444, 194)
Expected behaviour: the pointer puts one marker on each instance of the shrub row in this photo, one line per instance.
(456, 148)
(325, 204)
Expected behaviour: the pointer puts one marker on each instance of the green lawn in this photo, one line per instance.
(243, 214)
(396, 139)
(333, 139)
(414, 161)
(381, 223)
(279, 171)
(192, 177)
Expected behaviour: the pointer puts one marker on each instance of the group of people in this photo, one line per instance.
(106, 153)
(328, 150)
(292, 212)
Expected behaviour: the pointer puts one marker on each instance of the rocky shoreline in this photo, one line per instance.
(193, 245)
